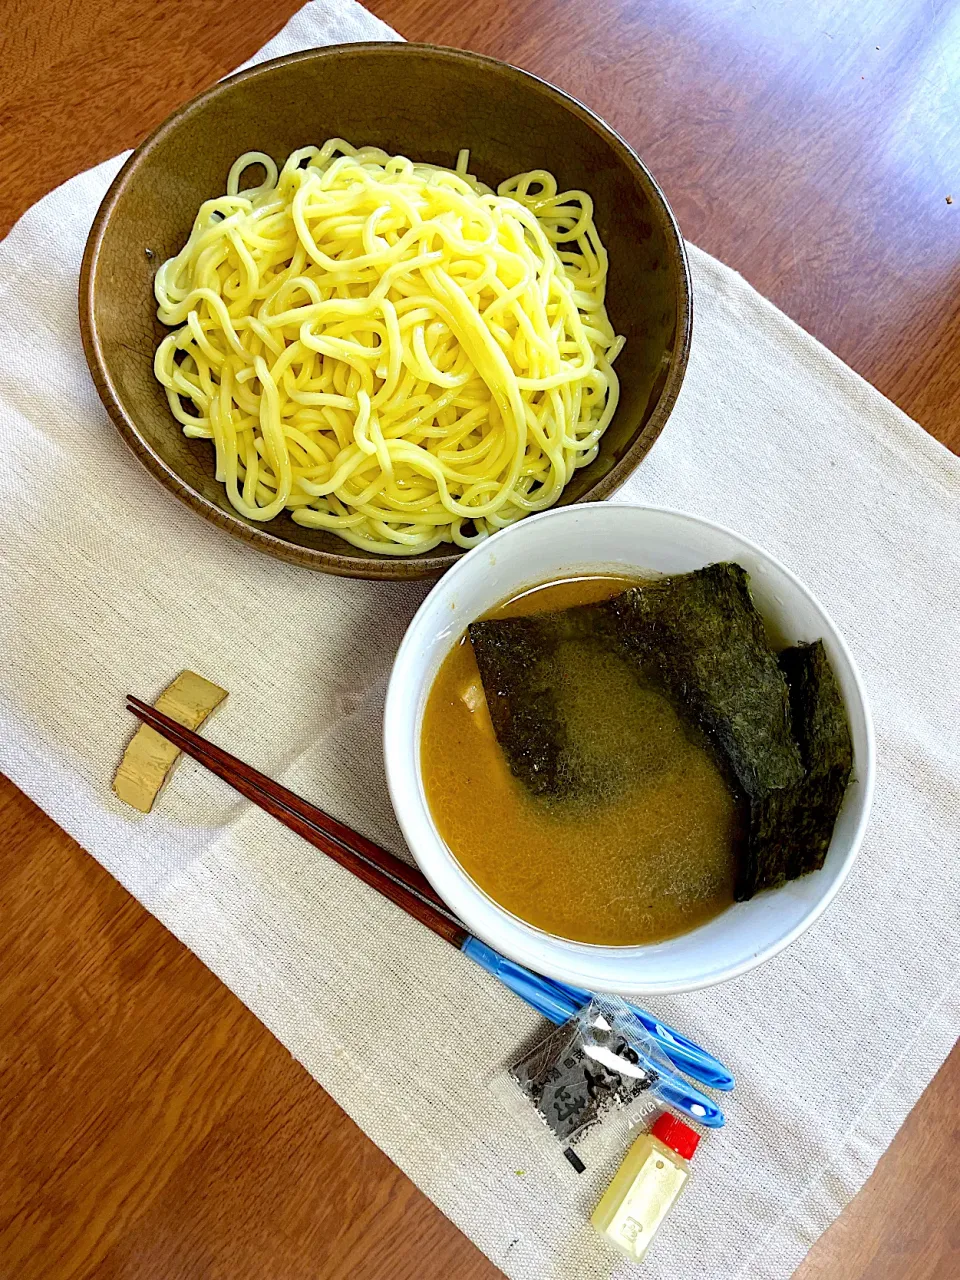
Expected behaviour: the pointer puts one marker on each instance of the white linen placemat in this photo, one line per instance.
(107, 585)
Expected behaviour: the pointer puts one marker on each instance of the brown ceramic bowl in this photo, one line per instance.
(427, 103)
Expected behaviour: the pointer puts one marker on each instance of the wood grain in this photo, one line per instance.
(151, 1126)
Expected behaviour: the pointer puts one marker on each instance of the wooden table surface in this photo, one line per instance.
(151, 1127)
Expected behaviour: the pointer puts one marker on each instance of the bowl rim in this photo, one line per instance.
(403, 695)
(347, 564)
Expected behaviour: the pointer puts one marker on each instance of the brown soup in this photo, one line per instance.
(653, 859)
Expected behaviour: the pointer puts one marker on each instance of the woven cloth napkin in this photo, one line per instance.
(107, 585)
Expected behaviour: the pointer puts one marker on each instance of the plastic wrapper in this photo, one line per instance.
(601, 1060)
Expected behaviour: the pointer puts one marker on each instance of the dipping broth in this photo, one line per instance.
(652, 855)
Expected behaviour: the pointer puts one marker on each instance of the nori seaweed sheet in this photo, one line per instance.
(778, 726)
(823, 735)
(513, 657)
(706, 638)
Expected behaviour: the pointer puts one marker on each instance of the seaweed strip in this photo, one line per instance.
(706, 637)
(513, 659)
(820, 727)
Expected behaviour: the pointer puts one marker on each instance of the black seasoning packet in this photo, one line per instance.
(581, 1069)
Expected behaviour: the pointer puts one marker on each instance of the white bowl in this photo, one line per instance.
(632, 539)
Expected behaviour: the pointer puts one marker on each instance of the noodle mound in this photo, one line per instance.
(390, 350)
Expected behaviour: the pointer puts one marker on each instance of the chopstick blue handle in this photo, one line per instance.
(558, 1004)
(552, 1002)
(684, 1097)
(683, 1053)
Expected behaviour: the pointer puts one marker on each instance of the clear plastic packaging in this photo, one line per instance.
(600, 1060)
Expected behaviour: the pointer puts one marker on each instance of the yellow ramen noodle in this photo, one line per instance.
(390, 350)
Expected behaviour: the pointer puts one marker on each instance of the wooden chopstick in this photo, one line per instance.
(339, 831)
(404, 885)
